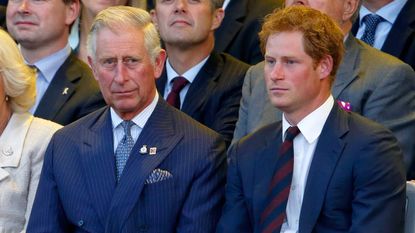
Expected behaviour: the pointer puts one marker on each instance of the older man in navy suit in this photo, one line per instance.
(336, 171)
(138, 165)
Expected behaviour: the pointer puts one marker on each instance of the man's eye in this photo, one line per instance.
(130, 61)
(109, 62)
(270, 61)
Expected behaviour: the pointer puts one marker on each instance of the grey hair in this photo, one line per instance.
(125, 16)
(19, 79)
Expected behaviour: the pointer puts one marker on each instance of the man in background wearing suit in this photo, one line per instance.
(336, 171)
(393, 24)
(238, 33)
(2, 16)
(65, 87)
(138, 165)
(369, 82)
(212, 86)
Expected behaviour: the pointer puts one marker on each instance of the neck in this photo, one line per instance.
(182, 59)
(34, 54)
(375, 5)
(294, 116)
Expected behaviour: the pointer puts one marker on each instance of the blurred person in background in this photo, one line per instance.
(23, 138)
(89, 9)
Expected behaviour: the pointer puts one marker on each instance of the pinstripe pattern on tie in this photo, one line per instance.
(124, 148)
(274, 212)
(371, 22)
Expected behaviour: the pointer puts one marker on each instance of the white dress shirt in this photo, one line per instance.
(190, 75)
(139, 122)
(389, 13)
(304, 147)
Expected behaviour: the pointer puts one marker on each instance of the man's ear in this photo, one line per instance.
(72, 12)
(325, 66)
(218, 16)
(93, 67)
(350, 7)
(159, 63)
(153, 14)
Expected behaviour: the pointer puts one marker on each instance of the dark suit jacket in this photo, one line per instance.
(356, 181)
(72, 94)
(78, 191)
(377, 85)
(238, 33)
(3, 17)
(400, 41)
(213, 97)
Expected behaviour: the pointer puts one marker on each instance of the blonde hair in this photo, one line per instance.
(17, 77)
(125, 16)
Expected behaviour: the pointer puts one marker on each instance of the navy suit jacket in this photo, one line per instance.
(72, 93)
(214, 96)
(238, 33)
(356, 181)
(400, 41)
(78, 192)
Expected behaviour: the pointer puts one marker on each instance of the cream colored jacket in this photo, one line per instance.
(22, 147)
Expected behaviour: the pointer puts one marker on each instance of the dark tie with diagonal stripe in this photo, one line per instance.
(274, 212)
(371, 22)
(173, 98)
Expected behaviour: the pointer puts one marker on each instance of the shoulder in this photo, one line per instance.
(253, 143)
(230, 61)
(380, 60)
(46, 126)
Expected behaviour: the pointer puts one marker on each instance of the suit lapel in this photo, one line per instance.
(161, 82)
(264, 170)
(99, 163)
(205, 82)
(328, 151)
(349, 68)
(159, 132)
(61, 88)
(12, 142)
(399, 36)
(235, 15)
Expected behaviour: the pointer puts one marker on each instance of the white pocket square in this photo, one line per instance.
(158, 175)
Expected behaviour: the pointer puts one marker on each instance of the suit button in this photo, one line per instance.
(80, 223)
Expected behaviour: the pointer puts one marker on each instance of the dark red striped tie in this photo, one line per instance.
(274, 212)
(174, 96)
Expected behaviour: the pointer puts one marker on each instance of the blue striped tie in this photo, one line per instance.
(274, 213)
(371, 22)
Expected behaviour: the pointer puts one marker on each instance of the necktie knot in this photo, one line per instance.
(126, 125)
(291, 133)
(371, 21)
(174, 96)
(178, 83)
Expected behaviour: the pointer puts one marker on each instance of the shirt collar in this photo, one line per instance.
(49, 65)
(140, 119)
(190, 74)
(312, 125)
(387, 12)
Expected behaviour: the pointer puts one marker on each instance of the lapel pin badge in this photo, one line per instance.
(143, 150)
(8, 151)
(65, 91)
(153, 150)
